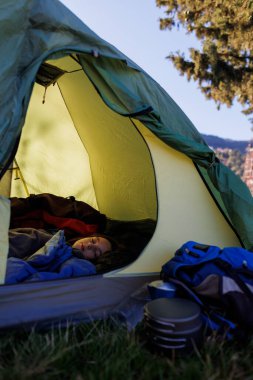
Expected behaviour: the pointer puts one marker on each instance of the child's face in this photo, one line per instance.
(93, 246)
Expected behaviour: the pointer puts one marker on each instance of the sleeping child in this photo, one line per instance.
(38, 255)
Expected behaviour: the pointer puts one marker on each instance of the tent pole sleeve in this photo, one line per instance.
(4, 236)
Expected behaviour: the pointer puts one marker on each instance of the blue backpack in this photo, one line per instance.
(220, 280)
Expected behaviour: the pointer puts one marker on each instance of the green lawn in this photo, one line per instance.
(106, 351)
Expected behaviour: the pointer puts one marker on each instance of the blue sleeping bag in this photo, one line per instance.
(53, 261)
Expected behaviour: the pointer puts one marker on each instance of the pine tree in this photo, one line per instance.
(223, 66)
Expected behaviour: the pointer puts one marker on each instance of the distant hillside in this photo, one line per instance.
(218, 142)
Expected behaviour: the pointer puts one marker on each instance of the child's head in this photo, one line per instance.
(93, 246)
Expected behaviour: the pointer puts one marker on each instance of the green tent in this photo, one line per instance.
(80, 118)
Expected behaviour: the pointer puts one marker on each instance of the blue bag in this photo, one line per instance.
(220, 280)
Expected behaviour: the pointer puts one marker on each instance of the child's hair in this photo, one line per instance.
(114, 243)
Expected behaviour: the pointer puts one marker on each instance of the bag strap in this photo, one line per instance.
(234, 275)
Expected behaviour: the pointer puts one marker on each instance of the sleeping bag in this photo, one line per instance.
(54, 260)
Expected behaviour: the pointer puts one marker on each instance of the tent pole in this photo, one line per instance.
(21, 177)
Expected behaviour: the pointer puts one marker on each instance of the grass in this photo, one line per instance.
(106, 351)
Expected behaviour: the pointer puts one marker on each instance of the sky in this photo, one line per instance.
(133, 27)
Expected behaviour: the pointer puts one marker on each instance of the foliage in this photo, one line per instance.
(231, 158)
(223, 66)
(106, 351)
